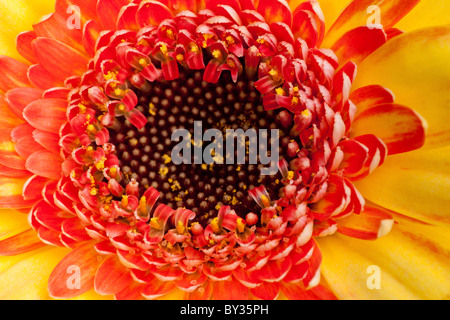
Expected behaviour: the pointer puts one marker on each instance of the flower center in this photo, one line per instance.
(145, 154)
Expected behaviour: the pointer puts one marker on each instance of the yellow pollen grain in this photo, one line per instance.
(143, 204)
(181, 229)
(217, 54)
(152, 109)
(215, 225)
(265, 201)
(143, 62)
(124, 201)
(167, 159)
(94, 192)
(294, 101)
(240, 225)
(279, 91)
(118, 92)
(194, 48)
(163, 49)
(121, 107)
(82, 108)
(154, 223)
(164, 171)
(134, 142)
(306, 113)
(290, 175)
(180, 57)
(230, 40)
(110, 75)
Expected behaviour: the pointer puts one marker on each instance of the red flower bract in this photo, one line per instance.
(149, 247)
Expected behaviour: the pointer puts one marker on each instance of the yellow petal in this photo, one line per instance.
(409, 267)
(18, 16)
(27, 279)
(426, 14)
(11, 223)
(416, 184)
(414, 66)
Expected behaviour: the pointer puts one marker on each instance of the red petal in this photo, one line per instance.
(20, 243)
(13, 74)
(45, 164)
(370, 96)
(111, 277)
(275, 11)
(46, 114)
(356, 15)
(401, 128)
(275, 270)
(229, 290)
(156, 288)
(358, 43)
(152, 13)
(84, 259)
(127, 18)
(266, 291)
(368, 225)
(335, 200)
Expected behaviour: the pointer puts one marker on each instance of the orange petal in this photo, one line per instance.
(412, 66)
(55, 27)
(20, 243)
(45, 164)
(46, 114)
(400, 128)
(13, 74)
(83, 262)
(19, 98)
(111, 277)
(58, 58)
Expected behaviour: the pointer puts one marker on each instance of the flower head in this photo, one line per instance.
(87, 148)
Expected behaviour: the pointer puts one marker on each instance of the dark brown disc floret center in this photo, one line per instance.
(145, 155)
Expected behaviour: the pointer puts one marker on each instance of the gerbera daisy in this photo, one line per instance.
(95, 205)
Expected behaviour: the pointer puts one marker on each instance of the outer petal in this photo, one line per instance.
(86, 259)
(426, 14)
(414, 67)
(411, 265)
(17, 16)
(356, 15)
(415, 184)
(401, 128)
(27, 278)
